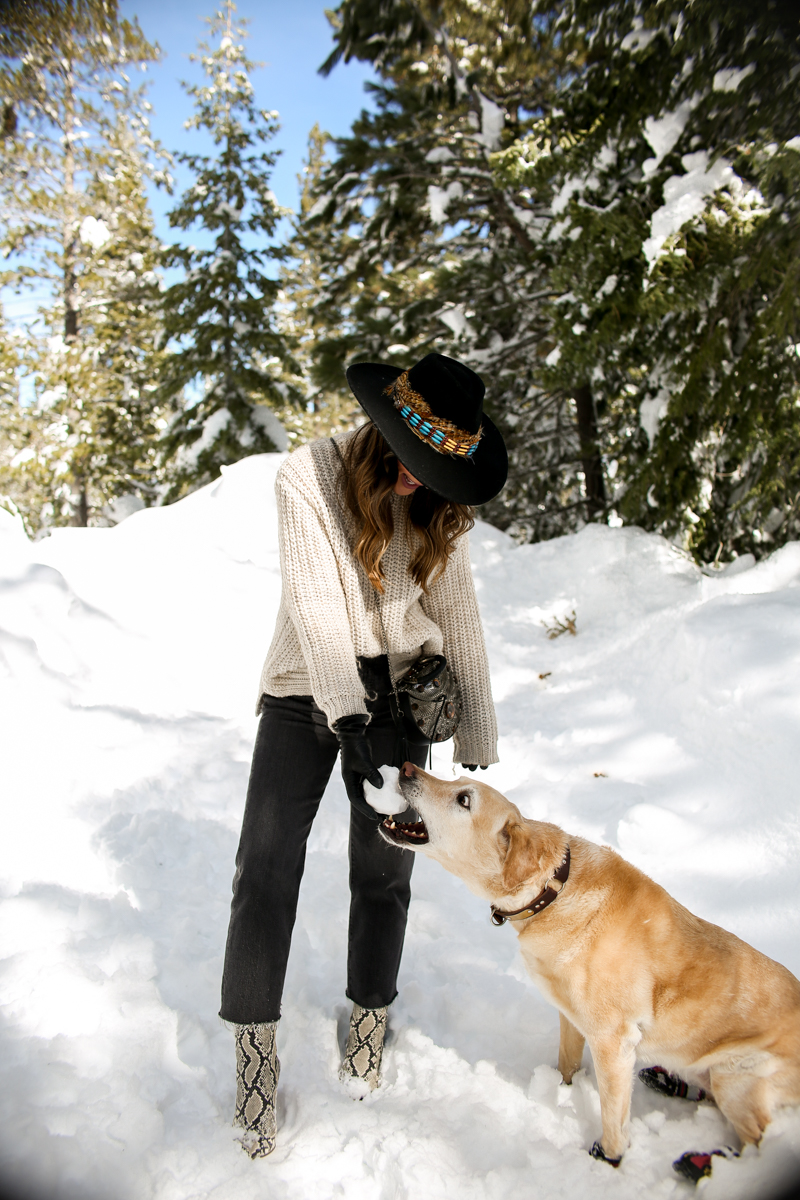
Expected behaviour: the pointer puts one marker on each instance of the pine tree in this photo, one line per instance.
(122, 324)
(74, 125)
(426, 247)
(548, 156)
(672, 168)
(14, 435)
(328, 408)
(221, 318)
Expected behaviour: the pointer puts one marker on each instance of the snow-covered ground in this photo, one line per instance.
(668, 727)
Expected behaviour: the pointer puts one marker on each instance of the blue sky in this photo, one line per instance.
(292, 38)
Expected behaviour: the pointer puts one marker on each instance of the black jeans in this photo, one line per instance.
(294, 755)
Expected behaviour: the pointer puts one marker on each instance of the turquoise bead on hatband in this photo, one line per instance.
(447, 441)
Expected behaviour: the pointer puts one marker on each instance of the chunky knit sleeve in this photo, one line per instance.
(453, 606)
(314, 597)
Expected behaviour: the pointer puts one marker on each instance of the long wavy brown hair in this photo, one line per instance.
(371, 470)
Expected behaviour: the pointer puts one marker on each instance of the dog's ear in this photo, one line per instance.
(528, 848)
(520, 858)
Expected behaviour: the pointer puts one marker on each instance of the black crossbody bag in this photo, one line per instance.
(426, 701)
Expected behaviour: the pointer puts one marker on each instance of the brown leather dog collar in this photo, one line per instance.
(546, 896)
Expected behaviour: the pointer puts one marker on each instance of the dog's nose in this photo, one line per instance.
(408, 769)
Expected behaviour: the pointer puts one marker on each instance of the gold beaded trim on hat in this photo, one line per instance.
(443, 435)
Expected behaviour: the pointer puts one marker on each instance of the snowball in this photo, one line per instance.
(388, 799)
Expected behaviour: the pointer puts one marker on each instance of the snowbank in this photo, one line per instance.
(667, 727)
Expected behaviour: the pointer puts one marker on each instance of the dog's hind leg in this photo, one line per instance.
(570, 1049)
(614, 1061)
(745, 1099)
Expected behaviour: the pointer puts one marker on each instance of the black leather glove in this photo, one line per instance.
(471, 767)
(357, 764)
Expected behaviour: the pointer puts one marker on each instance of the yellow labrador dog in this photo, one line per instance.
(631, 971)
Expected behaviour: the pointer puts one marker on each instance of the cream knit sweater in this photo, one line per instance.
(328, 613)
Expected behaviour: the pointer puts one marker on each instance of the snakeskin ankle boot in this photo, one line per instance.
(257, 1071)
(361, 1066)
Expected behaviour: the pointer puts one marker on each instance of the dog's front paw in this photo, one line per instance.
(597, 1151)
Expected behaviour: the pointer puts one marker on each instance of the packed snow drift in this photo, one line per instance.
(665, 725)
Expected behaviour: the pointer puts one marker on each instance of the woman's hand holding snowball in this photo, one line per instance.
(357, 764)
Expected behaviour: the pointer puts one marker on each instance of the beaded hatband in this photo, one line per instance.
(436, 431)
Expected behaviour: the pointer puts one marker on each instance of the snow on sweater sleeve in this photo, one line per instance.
(453, 606)
(314, 597)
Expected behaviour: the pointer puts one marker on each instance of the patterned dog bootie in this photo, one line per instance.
(361, 1065)
(695, 1165)
(658, 1079)
(257, 1072)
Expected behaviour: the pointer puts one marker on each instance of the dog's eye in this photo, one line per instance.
(463, 799)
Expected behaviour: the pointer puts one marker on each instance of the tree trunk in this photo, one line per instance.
(226, 243)
(70, 232)
(82, 511)
(70, 311)
(589, 451)
(70, 284)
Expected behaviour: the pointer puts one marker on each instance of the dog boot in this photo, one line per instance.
(695, 1166)
(597, 1151)
(361, 1064)
(658, 1079)
(257, 1071)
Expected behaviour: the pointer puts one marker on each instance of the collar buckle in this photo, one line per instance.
(550, 892)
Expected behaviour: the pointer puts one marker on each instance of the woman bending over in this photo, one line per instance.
(374, 549)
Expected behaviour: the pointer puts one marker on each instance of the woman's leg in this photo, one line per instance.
(292, 762)
(380, 887)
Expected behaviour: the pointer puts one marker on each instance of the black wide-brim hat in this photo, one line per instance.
(451, 391)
